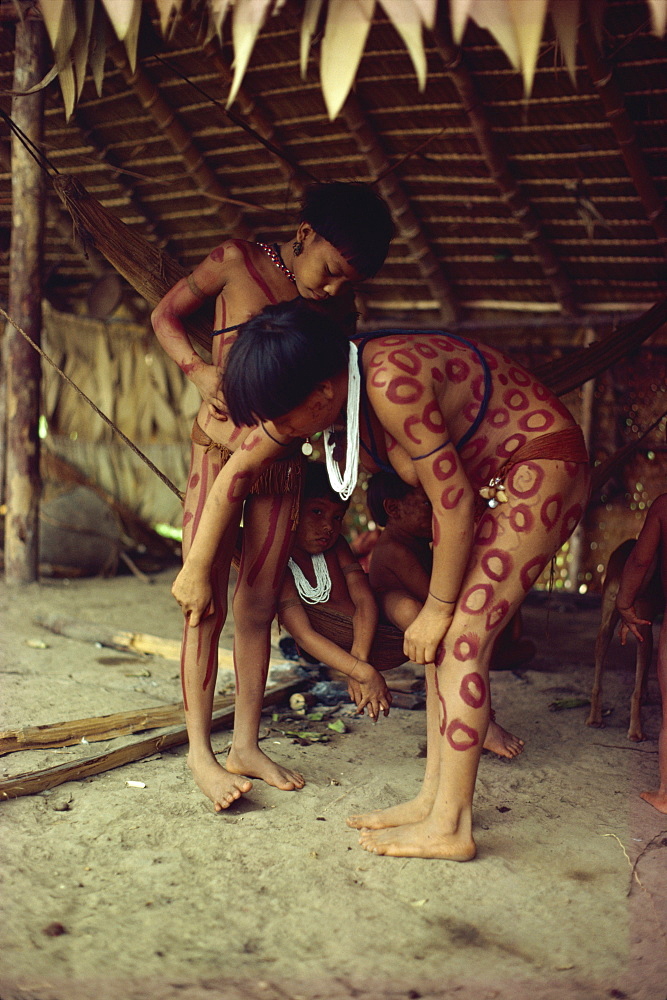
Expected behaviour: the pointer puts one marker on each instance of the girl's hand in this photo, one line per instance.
(192, 591)
(630, 623)
(422, 638)
(208, 380)
(369, 691)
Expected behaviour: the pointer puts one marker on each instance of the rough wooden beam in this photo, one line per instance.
(31, 782)
(23, 373)
(407, 223)
(621, 124)
(104, 155)
(171, 126)
(520, 207)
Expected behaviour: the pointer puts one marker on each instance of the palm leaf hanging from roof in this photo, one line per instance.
(81, 30)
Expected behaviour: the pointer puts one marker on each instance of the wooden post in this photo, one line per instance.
(25, 307)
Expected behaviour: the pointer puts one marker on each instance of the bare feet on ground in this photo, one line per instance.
(406, 812)
(256, 764)
(221, 787)
(657, 799)
(500, 741)
(419, 840)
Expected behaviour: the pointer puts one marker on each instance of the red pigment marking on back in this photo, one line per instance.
(520, 377)
(551, 510)
(426, 351)
(254, 273)
(470, 735)
(491, 362)
(437, 375)
(406, 361)
(498, 417)
(457, 370)
(538, 420)
(473, 448)
(404, 390)
(466, 647)
(510, 445)
(497, 564)
(473, 690)
(379, 379)
(443, 344)
(258, 565)
(443, 724)
(515, 399)
(497, 613)
(218, 255)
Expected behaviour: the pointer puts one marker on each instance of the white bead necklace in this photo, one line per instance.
(344, 483)
(322, 589)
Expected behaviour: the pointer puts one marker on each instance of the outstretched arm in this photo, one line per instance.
(192, 587)
(419, 428)
(639, 568)
(206, 281)
(365, 617)
(371, 692)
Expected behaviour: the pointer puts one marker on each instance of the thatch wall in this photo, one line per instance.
(123, 369)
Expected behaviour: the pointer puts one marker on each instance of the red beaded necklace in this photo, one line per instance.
(274, 253)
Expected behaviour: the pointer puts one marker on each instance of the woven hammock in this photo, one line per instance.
(152, 272)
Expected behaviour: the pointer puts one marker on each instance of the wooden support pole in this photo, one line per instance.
(25, 307)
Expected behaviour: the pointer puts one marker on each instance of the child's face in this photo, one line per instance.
(414, 514)
(321, 270)
(320, 524)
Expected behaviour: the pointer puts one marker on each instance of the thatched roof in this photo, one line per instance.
(549, 205)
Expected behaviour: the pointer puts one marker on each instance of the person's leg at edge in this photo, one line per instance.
(549, 497)
(199, 651)
(658, 797)
(267, 537)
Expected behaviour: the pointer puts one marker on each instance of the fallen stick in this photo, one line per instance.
(136, 642)
(97, 728)
(30, 783)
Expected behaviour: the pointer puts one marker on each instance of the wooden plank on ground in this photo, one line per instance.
(30, 783)
(97, 728)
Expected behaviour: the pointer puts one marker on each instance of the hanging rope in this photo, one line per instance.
(110, 423)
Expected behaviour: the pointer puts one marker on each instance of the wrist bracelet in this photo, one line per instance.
(440, 599)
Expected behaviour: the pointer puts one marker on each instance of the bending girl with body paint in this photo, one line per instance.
(342, 238)
(400, 569)
(505, 469)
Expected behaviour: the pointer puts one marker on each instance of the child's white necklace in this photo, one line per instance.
(322, 589)
(345, 483)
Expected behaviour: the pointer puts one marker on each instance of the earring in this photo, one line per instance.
(297, 247)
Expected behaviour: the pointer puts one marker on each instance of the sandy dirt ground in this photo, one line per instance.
(158, 897)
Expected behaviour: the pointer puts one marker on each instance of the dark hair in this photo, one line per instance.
(279, 357)
(385, 486)
(354, 219)
(316, 485)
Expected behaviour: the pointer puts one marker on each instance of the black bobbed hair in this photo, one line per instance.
(279, 357)
(385, 486)
(354, 219)
(316, 485)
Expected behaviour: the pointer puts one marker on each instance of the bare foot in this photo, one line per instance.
(255, 763)
(221, 787)
(499, 741)
(419, 840)
(406, 812)
(657, 799)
